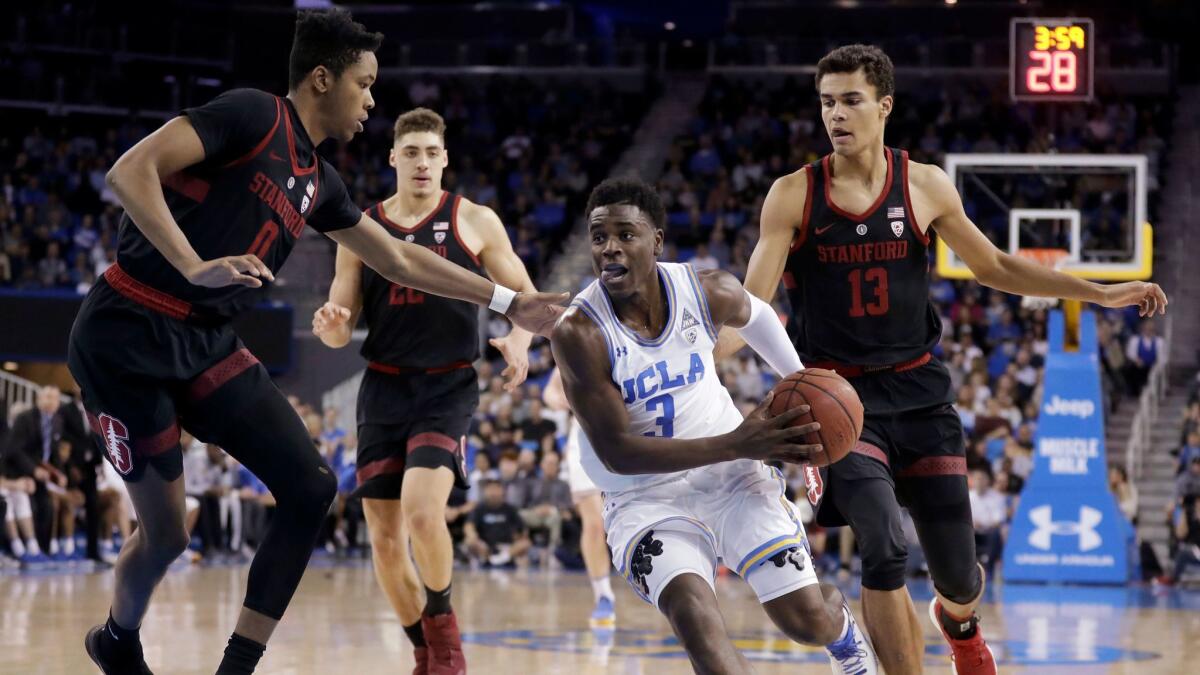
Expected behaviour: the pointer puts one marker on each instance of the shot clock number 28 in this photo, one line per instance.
(1051, 59)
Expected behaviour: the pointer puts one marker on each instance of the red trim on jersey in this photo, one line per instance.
(432, 439)
(457, 237)
(225, 370)
(401, 370)
(870, 450)
(378, 468)
(158, 443)
(291, 141)
(195, 189)
(146, 296)
(850, 370)
(936, 466)
(262, 145)
(424, 221)
(887, 188)
(802, 234)
(912, 215)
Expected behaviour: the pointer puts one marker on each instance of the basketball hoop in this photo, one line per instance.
(1054, 258)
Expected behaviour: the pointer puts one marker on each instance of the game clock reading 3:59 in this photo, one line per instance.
(1051, 59)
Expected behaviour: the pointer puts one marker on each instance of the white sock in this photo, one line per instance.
(68, 545)
(602, 588)
(18, 547)
(32, 546)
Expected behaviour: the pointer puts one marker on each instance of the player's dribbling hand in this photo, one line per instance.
(329, 317)
(771, 438)
(537, 312)
(240, 270)
(1148, 297)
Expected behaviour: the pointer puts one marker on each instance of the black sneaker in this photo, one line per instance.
(110, 666)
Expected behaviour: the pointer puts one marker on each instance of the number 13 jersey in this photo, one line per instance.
(669, 383)
(859, 283)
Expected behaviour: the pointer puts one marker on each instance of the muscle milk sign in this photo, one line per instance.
(1067, 526)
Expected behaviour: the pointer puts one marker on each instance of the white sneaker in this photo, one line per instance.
(853, 654)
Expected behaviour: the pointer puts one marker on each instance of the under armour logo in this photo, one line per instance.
(622, 351)
(1084, 528)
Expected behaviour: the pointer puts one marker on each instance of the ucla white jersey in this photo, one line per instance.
(669, 383)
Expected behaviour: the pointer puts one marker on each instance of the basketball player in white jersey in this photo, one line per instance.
(682, 473)
(588, 504)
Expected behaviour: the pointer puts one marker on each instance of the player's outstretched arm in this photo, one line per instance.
(582, 357)
(754, 320)
(136, 178)
(334, 321)
(1013, 274)
(503, 266)
(417, 267)
(782, 213)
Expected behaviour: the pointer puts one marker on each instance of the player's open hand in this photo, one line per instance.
(537, 312)
(329, 317)
(239, 270)
(1148, 297)
(772, 438)
(514, 347)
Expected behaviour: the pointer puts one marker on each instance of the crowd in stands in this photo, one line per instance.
(529, 152)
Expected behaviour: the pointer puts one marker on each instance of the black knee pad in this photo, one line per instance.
(869, 505)
(941, 511)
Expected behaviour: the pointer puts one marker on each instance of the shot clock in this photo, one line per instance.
(1051, 59)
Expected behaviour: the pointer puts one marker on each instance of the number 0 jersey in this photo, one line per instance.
(260, 183)
(669, 384)
(859, 283)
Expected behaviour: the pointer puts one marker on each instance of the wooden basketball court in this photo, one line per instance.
(536, 622)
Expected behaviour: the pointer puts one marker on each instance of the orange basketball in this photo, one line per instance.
(832, 402)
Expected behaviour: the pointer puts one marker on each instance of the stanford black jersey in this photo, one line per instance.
(260, 182)
(410, 329)
(859, 283)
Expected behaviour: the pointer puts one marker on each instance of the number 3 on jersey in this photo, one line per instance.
(665, 422)
(879, 305)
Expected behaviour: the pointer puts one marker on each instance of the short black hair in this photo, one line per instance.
(330, 38)
(876, 65)
(631, 191)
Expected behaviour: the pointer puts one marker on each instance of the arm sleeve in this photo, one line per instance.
(233, 123)
(766, 336)
(334, 210)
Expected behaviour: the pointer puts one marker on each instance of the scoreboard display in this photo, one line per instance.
(1051, 59)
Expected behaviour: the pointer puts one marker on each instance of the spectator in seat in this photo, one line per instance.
(547, 500)
(18, 518)
(1124, 491)
(1142, 352)
(495, 535)
(1189, 451)
(989, 511)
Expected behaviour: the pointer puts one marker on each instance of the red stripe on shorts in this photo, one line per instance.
(225, 370)
(158, 443)
(378, 468)
(872, 451)
(434, 439)
(936, 466)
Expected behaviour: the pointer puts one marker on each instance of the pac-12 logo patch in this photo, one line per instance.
(116, 437)
(897, 227)
(815, 487)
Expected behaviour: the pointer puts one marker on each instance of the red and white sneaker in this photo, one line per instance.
(444, 644)
(421, 655)
(972, 656)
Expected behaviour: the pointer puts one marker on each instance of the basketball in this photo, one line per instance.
(832, 402)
